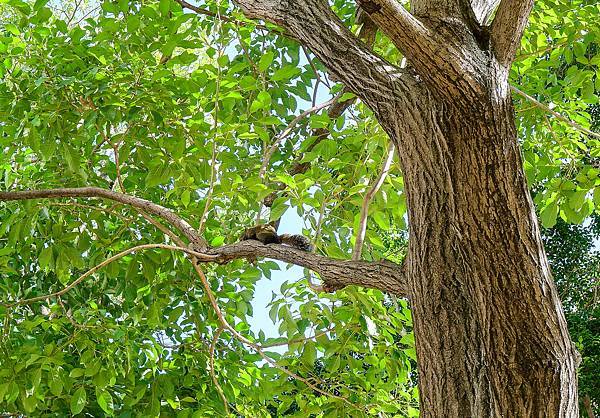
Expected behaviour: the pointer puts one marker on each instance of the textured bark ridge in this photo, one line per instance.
(490, 333)
(491, 337)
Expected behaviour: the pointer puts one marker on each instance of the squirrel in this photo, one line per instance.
(267, 234)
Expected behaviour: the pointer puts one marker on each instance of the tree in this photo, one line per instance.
(576, 268)
(181, 119)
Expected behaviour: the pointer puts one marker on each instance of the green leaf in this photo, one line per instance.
(43, 15)
(278, 208)
(78, 401)
(163, 7)
(577, 198)
(56, 385)
(29, 403)
(382, 220)
(265, 61)
(105, 401)
(286, 73)
(548, 215)
(12, 29)
(309, 353)
(263, 100)
(185, 197)
(39, 4)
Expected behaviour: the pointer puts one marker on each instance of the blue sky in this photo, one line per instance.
(290, 223)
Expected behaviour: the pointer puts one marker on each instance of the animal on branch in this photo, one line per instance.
(267, 234)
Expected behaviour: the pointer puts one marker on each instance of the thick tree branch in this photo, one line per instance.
(317, 27)
(186, 229)
(508, 27)
(336, 274)
(443, 60)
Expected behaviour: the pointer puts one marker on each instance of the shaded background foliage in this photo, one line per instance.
(182, 109)
(575, 261)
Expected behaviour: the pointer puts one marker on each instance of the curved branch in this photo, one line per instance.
(364, 211)
(557, 115)
(186, 229)
(317, 27)
(336, 274)
(199, 256)
(508, 27)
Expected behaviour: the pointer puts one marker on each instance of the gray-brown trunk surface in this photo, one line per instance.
(491, 337)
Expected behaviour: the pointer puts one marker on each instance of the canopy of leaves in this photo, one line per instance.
(185, 109)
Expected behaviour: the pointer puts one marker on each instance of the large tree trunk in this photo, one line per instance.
(491, 337)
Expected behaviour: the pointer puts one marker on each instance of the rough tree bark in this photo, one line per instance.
(491, 337)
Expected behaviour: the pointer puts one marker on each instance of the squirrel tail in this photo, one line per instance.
(296, 241)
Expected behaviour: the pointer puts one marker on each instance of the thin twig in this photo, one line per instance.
(255, 70)
(558, 142)
(554, 113)
(161, 228)
(548, 48)
(299, 340)
(91, 207)
(319, 225)
(70, 316)
(211, 364)
(87, 14)
(364, 211)
(213, 159)
(318, 79)
(115, 147)
(201, 256)
(282, 135)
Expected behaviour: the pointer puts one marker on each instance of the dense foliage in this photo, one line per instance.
(184, 109)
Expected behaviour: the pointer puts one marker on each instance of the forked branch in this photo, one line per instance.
(508, 27)
(443, 61)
